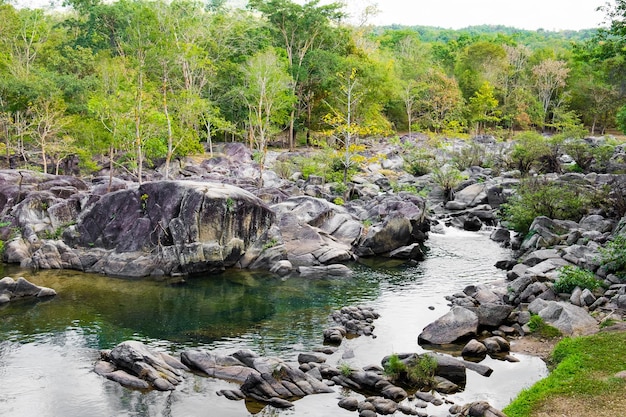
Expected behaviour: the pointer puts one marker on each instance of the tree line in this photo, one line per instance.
(130, 82)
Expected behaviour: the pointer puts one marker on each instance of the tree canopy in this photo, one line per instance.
(131, 82)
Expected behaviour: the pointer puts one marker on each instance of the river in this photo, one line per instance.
(48, 349)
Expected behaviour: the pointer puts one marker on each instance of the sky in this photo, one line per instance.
(456, 14)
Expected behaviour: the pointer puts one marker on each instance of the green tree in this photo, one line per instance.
(299, 29)
(483, 108)
(267, 93)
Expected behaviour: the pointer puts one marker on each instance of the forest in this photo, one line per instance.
(130, 83)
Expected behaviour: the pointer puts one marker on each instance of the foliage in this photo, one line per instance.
(571, 277)
(530, 148)
(419, 371)
(447, 177)
(613, 256)
(394, 367)
(542, 329)
(583, 370)
(418, 161)
(536, 197)
(345, 369)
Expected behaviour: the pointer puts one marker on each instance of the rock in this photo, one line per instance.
(413, 252)
(349, 403)
(383, 406)
(326, 271)
(496, 344)
(474, 349)
(456, 324)
(492, 315)
(444, 386)
(311, 357)
(471, 195)
(282, 268)
(479, 409)
(22, 288)
(472, 223)
(178, 227)
(222, 367)
(500, 235)
(334, 335)
(569, 319)
(134, 361)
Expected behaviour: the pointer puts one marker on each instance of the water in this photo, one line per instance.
(47, 349)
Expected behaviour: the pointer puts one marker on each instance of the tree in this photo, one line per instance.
(267, 93)
(483, 107)
(300, 29)
(47, 121)
(549, 77)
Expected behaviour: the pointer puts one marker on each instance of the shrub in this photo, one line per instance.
(447, 178)
(418, 162)
(537, 197)
(571, 277)
(530, 148)
(473, 155)
(613, 256)
(419, 372)
(394, 368)
(422, 372)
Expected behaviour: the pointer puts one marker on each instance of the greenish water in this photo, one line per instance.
(48, 348)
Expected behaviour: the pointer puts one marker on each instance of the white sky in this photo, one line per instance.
(521, 14)
(456, 14)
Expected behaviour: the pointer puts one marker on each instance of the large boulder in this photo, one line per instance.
(177, 227)
(571, 320)
(316, 232)
(459, 323)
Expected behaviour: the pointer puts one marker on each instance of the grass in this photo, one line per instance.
(582, 381)
(542, 329)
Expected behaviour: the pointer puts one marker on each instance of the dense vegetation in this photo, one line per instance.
(134, 80)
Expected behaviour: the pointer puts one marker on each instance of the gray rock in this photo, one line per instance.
(456, 324)
(500, 235)
(349, 403)
(496, 344)
(160, 370)
(311, 357)
(571, 320)
(492, 315)
(474, 349)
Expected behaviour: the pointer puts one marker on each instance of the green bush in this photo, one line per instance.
(571, 277)
(418, 161)
(447, 178)
(536, 198)
(419, 372)
(613, 256)
(529, 149)
(394, 367)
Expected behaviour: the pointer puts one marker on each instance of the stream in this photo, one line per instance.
(48, 349)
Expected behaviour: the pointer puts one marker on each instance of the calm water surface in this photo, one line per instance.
(48, 349)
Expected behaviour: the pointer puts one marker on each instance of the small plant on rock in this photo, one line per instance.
(394, 368)
(571, 277)
(422, 372)
(345, 369)
(613, 256)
